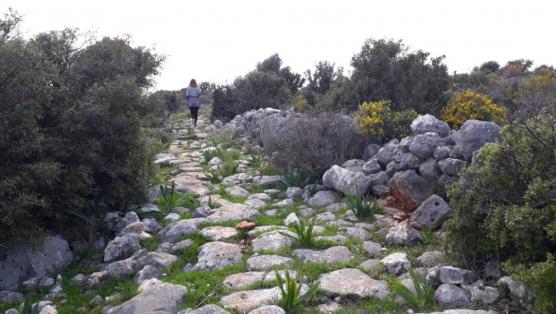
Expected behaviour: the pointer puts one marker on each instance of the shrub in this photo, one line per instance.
(311, 144)
(377, 119)
(542, 279)
(364, 207)
(423, 297)
(468, 105)
(537, 95)
(72, 125)
(505, 203)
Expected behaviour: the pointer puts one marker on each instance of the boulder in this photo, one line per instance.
(429, 169)
(148, 272)
(354, 165)
(450, 295)
(241, 280)
(294, 192)
(372, 166)
(386, 154)
(430, 258)
(441, 152)
(517, 288)
(178, 229)
(451, 166)
(372, 248)
(346, 181)
(352, 282)
(217, 255)
(403, 161)
(20, 262)
(428, 123)
(472, 135)
(217, 233)
(154, 297)
(322, 198)
(291, 219)
(370, 151)
(237, 191)
(244, 301)
(207, 309)
(481, 293)
(122, 247)
(410, 189)
(423, 145)
(402, 234)
(431, 214)
(10, 297)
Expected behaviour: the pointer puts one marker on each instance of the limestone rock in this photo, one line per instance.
(268, 309)
(322, 198)
(431, 214)
(217, 233)
(410, 189)
(428, 123)
(154, 297)
(233, 212)
(267, 262)
(402, 234)
(450, 295)
(472, 135)
(352, 282)
(217, 255)
(396, 263)
(122, 247)
(332, 255)
(272, 241)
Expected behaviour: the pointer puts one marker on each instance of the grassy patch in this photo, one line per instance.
(150, 244)
(204, 287)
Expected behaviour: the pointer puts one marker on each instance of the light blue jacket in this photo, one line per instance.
(193, 94)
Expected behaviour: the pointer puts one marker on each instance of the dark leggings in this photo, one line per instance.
(194, 113)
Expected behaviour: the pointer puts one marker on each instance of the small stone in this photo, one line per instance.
(171, 217)
(454, 275)
(294, 192)
(272, 241)
(431, 214)
(324, 217)
(402, 234)
(244, 301)
(322, 198)
(291, 220)
(356, 232)
(451, 166)
(370, 264)
(372, 248)
(148, 272)
(268, 309)
(450, 295)
(396, 263)
(517, 288)
(267, 262)
(121, 247)
(237, 191)
(217, 233)
(242, 280)
(207, 309)
(11, 297)
(430, 259)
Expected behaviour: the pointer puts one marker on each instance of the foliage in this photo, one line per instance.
(168, 199)
(228, 167)
(223, 139)
(384, 69)
(261, 165)
(290, 292)
(324, 75)
(542, 279)
(270, 85)
(296, 178)
(537, 95)
(423, 297)
(304, 233)
(311, 144)
(468, 105)
(505, 203)
(377, 119)
(364, 207)
(72, 125)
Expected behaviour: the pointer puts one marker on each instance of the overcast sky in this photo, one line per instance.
(218, 40)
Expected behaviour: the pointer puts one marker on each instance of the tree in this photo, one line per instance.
(72, 122)
(384, 69)
(320, 81)
(273, 64)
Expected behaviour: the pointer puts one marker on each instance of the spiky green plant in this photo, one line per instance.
(208, 155)
(290, 292)
(228, 167)
(294, 177)
(304, 233)
(423, 297)
(364, 207)
(224, 139)
(168, 199)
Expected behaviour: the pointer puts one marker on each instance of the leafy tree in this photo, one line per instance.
(384, 69)
(320, 81)
(73, 124)
(273, 64)
(489, 67)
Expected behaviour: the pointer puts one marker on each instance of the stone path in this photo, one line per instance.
(351, 260)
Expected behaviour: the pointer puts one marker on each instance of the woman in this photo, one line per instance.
(192, 94)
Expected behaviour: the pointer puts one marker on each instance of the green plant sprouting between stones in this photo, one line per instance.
(423, 297)
(363, 206)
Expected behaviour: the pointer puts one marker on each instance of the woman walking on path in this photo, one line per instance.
(192, 94)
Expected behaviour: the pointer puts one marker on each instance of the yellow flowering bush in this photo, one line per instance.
(376, 119)
(468, 105)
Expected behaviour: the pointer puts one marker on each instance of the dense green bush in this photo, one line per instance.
(73, 127)
(383, 69)
(505, 204)
(270, 85)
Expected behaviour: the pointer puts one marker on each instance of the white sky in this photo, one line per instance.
(218, 40)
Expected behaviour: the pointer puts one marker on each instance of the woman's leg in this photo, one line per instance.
(193, 114)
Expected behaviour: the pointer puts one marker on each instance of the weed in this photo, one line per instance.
(429, 238)
(423, 297)
(297, 178)
(304, 234)
(151, 243)
(168, 199)
(364, 207)
(290, 291)
(223, 139)
(208, 155)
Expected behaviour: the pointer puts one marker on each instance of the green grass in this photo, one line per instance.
(295, 177)
(423, 299)
(364, 207)
(150, 244)
(224, 139)
(304, 232)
